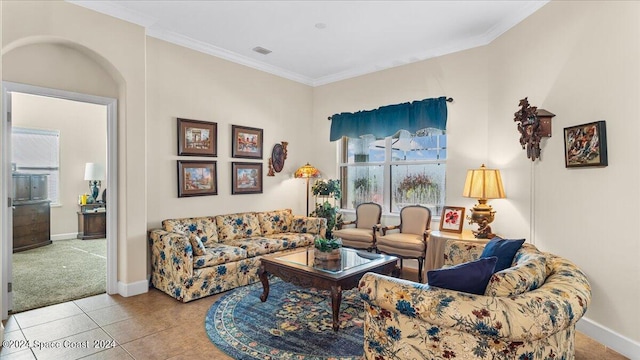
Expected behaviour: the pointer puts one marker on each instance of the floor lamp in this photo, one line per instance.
(307, 172)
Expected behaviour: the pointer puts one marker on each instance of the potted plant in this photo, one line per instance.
(326, 189)
(327, 249)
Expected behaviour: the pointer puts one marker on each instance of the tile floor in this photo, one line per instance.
(148, 326)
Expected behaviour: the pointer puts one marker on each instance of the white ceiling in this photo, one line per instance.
(319, 42)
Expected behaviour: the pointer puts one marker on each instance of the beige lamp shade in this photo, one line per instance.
(93, 171)
(483, 183)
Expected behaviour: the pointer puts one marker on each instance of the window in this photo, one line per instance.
(37, 152)
(400, 170)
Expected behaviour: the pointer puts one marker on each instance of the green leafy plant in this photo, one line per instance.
(327, 245)
(328, 189)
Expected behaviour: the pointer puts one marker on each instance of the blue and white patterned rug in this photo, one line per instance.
(294, 323)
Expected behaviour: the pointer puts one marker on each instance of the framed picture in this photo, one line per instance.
(246, 142)
(585, 145)
(197, 138)
(246, 178)
(197, 178)
(452, 219)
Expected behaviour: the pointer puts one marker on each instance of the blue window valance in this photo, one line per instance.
(387, 120)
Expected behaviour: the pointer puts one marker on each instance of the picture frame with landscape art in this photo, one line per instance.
(197, 178)
(246, 142)
(246, 178)
(586, 145)
(197, 138)
(452, 219)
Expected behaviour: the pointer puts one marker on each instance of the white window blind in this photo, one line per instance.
(37, 151)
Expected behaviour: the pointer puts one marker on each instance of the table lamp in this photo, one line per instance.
(94, 173)
(306, 172)
(483, 184)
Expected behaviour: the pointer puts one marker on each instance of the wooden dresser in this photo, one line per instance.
(31, 212)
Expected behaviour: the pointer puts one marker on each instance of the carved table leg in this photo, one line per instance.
(336, 299)
(264, 278)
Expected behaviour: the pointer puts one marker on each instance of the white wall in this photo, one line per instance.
(83, 139)
(183, 83)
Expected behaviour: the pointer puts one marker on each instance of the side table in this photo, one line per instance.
(437, 241)
(92, 222)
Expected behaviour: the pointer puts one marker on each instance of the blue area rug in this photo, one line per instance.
(294, 323)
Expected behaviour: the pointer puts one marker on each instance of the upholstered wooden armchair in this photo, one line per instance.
(411, 240)
(363, 234)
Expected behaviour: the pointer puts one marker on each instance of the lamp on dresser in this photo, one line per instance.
(483, 184)
(94, 173)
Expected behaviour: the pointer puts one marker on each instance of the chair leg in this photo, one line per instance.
(400, 264)
(420, 264)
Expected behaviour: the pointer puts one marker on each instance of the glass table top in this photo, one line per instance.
(349, 259)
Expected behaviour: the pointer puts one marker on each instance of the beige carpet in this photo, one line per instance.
(62, 271)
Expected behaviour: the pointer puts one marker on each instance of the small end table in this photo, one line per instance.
(92, 221)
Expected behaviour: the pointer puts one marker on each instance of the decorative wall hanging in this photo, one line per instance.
(533, 125)
(197, 178)
(278, 156)
(246, 142)
(586, 145)
(197, 138)
(246, 178)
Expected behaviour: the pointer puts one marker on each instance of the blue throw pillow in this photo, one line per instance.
(504, 249)
(471, 277)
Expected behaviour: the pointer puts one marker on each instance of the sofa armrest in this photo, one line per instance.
(530, 316)
(345, 223)
(171, 252)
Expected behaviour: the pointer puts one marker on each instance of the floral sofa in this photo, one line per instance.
(196, 257)
(528, 311)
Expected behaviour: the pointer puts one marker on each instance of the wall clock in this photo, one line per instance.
(278, 156)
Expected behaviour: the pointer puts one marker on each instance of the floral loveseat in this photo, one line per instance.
(196, 257)
(528, 311)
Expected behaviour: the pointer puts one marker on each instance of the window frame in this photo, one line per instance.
(387, 165)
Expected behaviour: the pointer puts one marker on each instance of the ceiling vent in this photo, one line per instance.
(261, 50)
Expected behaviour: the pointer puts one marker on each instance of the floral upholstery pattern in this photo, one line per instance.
(237, 226)
(294, 240)
(275, 222)
(218, 254)
(203, 227)
(308, 225)
(527, 273)
(261, 246)
(196, 244)
(186, 271)
(407, 320)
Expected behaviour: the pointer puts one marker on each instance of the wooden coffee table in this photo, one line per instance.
(300, 268)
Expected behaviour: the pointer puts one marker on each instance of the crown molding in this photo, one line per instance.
(113, 9)
(178, 39)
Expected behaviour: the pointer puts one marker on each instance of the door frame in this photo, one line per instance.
(6, 245)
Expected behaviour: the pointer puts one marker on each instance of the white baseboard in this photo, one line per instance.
(133, 289)
(68, 236)
(609, 338)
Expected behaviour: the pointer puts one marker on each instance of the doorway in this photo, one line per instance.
(110, 105)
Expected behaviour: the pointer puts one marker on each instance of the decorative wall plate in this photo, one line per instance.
(278, 156)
